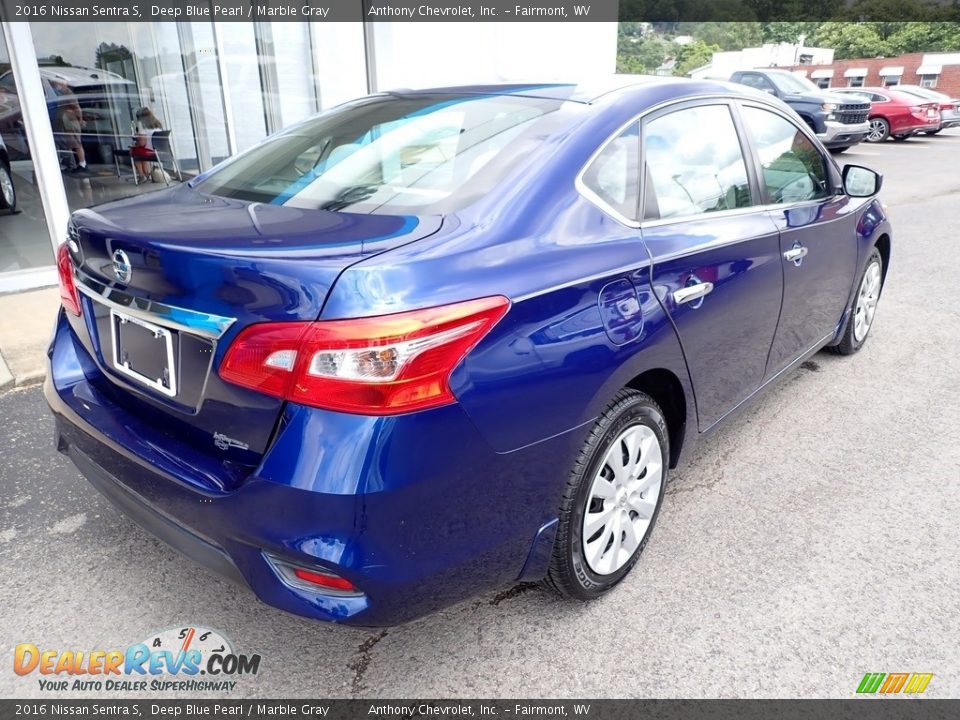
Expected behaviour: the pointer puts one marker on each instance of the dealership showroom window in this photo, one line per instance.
(384, 344)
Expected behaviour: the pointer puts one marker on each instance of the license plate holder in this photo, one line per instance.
(143, 351)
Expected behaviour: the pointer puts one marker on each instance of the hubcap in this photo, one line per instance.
(622, 500)
(877, 131)
(6, 186)
(867, 299)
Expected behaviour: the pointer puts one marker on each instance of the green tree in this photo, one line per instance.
(729, 35)
(694, 55)
(925, 37)
(788, 32)
(642, 55)
(850, 40)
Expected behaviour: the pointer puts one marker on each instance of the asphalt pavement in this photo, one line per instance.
(812, 540)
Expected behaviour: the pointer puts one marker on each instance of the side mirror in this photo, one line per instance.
(770, 91)
(859, 181)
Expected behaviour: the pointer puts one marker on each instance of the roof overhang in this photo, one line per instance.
(892, 71)
(929, 70)
(821, 74)
(855, 72)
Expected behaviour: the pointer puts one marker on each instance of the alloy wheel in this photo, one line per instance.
(878, 131)
(6, 187)
(867, 298)
(623, 500)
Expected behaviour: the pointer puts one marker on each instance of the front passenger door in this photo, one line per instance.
(716, 258)
(818, 241)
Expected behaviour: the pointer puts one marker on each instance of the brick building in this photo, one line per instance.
(939, 71)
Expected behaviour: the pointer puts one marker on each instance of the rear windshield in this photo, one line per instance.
(414, 154)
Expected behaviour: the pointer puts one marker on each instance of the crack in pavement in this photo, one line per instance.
(360, 664)
(513, 592)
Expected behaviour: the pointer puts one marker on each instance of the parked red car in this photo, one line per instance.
(896, 114)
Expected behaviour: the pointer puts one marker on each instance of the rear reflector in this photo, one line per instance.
(324, 580)
(312, 579)
(69, 297)
(382, 365)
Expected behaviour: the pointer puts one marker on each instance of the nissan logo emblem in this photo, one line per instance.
(121, 266)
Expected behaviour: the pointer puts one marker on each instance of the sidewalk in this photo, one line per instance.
(26, 322)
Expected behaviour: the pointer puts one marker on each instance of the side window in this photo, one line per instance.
(694, 163)
(793, 168)
(756, 81)
(614, 175)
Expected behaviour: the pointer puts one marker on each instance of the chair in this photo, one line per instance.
(162, 150)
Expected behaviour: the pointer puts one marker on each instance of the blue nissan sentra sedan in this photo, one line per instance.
(434, 342)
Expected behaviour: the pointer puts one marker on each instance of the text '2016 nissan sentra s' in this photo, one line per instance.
(434, 342)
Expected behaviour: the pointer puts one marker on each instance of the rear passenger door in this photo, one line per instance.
(818, 241)
(716, 256)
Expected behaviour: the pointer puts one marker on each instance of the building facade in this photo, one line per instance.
(938, 71)
(723, 64)
(75, 97)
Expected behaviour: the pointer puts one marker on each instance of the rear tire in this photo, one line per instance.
(863, 308)
(612, 498)
(838, 150)
(900, 138)
(879, 130)
(932, 132)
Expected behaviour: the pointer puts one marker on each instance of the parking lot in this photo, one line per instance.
(813, 539)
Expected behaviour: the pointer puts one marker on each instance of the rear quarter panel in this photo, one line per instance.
(550, 366)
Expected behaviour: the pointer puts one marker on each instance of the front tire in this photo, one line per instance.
(8, 193)
(864, 307)
(612, 498)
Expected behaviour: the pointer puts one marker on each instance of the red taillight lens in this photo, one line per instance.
(370, 366)
(69, 297)
(323, 580)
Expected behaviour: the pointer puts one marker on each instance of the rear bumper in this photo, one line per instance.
(838, 134)
(416, 511)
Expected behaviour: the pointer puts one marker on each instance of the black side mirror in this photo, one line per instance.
(859, 181)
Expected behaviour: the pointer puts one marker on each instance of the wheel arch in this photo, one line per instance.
(883, 245)
(667, 390)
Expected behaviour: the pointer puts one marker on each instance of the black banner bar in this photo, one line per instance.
(671, 11)
(898, 708)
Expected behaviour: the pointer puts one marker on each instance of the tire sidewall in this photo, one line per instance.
(874, 257)
(5, 168)
(638, 412)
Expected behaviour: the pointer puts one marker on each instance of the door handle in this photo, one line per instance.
(692, 292)
(796, 254)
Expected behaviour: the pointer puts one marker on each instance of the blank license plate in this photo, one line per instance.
(144, 351)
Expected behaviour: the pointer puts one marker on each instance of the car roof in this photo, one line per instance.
(592, 90)
(75, 76)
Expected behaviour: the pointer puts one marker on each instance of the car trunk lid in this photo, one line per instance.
(170, 278)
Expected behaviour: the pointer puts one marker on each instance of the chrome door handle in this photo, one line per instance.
(796, 254)
(692, 292)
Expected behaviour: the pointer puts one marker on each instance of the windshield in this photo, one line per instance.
(420, 154)
(790, 83)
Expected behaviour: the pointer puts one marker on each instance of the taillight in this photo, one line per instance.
(382, 365)
(69, 297)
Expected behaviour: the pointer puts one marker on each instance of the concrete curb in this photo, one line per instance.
(6, 377)
(25, 323)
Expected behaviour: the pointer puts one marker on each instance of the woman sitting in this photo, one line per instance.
(142, 151)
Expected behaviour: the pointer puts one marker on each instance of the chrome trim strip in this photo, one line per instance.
(194, 322)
